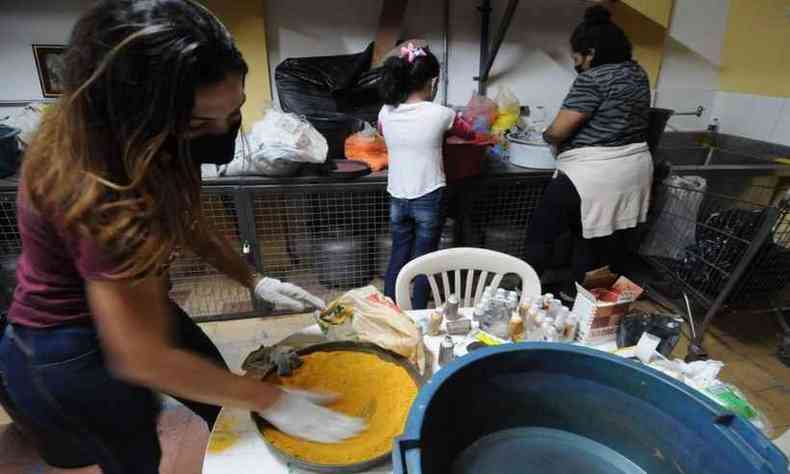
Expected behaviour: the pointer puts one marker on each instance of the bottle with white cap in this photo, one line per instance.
(512, 302)
(562, 317)
(547, 299)
(478, 313)
(451, 308)
(535, 329)
(550, 333)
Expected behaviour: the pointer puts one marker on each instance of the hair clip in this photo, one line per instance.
(410, 52)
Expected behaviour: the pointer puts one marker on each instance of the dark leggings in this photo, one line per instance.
(60, 389)
(558, 219)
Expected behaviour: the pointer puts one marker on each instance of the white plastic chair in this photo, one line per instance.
(451, 262)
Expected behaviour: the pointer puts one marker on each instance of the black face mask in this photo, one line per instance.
(579, 68)
(210, 149)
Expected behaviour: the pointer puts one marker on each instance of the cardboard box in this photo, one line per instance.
(599, 319)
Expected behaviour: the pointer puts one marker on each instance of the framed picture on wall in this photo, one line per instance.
(49, 63)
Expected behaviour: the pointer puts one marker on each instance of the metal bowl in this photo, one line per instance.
(339, 346)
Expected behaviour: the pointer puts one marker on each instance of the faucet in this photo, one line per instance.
(712, 140)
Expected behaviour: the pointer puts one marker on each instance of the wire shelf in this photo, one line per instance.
(196, 286)
(326, 242)
(10, 242)
(325, 238)
(708, 241)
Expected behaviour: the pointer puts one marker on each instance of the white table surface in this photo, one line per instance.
(235, 445)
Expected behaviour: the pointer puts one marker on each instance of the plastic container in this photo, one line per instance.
(527, 154)
(632, 412)
(464, 159)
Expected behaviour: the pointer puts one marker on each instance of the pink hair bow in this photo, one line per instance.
(410, 52)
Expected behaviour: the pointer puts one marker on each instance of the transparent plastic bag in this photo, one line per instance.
(675, 227)
(731, 398)
(481, 112)
(508, 111)
(374, 318)
(277, 146)
(368, 146)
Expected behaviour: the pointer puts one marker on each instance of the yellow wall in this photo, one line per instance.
(646, 35)
(244, 18)
(659, 11)
(756, 50)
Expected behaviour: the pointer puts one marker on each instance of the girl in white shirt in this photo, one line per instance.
(414, 129)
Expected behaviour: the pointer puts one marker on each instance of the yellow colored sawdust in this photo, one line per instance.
(378, 391)
(224, 436)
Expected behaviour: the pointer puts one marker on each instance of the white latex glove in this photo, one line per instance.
(286, 296)
(299, 414)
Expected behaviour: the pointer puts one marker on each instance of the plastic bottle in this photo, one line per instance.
(478, 313)
(488, 292)
(500, 293)
(562, 317)
(554, 307)
(435, 323)
(446, 351)
(571, 327)
(550, 333)
(451, 308)
(516, 328)
(547, 299)
(512, 302)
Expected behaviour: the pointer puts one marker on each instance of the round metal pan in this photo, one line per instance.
(344, 346)
(348, 169)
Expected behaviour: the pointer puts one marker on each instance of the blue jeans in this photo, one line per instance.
(57, 380)
(416, 226)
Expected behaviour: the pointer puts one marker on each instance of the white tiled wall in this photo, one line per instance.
(752, 116)
(687, 100)
(687, 81)
(782, 131)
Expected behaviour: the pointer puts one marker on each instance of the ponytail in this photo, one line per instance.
(394, 86)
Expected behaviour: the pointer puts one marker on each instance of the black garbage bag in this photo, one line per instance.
(334, 93)
(721, 242)
(665, 327)
(10, 152)
(770, 272)
(730, 225)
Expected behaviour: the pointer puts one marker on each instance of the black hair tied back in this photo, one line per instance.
(597, 15)
(600, 34)
(394, 80)
(401, 77)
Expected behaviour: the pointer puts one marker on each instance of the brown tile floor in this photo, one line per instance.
(745, 344)
(182, 435)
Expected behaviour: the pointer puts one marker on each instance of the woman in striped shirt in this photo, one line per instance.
(601, 192)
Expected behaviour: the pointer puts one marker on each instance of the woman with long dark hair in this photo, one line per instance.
(110, 190)
(605, 170)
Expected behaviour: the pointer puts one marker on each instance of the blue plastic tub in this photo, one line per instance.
(550, 408)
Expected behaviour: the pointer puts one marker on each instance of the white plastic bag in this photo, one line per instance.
(27, 120)
(377, 320)
(276, 146)
(676, 225)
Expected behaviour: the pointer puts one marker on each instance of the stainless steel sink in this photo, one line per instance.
(682, 156)
(703, 158)
(751, 175)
